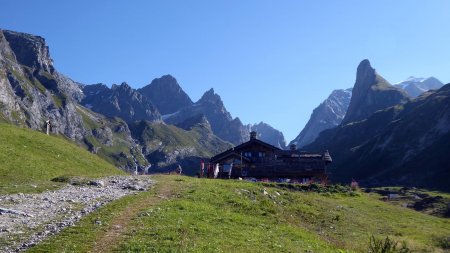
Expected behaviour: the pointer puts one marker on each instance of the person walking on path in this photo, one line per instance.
(179, 169)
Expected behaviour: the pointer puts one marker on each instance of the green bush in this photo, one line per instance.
(386, 246)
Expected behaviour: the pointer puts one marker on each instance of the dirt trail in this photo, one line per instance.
(28, 219)
(108, 241)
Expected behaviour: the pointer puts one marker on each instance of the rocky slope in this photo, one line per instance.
(406, 144)
(167, 146)
(222, 124)
(416, 86)
(268, 134)
(371, 93)
(120, 101)
(27, 219)
(32, 91)
(166, 94)
(328, 114)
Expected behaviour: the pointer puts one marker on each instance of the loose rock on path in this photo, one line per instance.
(26, 219)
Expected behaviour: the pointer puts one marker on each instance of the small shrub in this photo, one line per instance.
(386, 246)
(61, 179)
(444, 242)
(70, 180)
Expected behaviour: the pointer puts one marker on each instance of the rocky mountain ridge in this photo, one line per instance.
(331, 111)
(403, 143)
(416, 86)
(103, 119)
(32, 92)
(222, 124)
(328, 114)
(120, 101)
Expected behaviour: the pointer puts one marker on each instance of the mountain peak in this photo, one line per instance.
(125, 85)
(365, 63)
(122, 87)
(371, 93)
(416, 86)
(365, 74)
(267, 133)
(167, 77)
(30, 50)
(166, 94)
(211, 97)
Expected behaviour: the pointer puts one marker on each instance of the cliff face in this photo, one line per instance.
(32, 91)
(328, 114)
(30, 50)
(371, 93)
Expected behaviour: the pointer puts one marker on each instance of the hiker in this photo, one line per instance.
(202, 168)
(49, 126)
(210, 170)
(179, 169)
(231, 169)
(216, 170)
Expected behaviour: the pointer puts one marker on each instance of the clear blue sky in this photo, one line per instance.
(271, 61)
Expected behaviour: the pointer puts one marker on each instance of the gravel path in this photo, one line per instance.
(26, 219)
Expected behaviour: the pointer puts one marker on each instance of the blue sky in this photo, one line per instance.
(271, 61)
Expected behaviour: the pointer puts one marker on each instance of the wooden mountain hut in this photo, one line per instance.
(257, 159)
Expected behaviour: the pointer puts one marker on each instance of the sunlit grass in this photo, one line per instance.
(30, 159)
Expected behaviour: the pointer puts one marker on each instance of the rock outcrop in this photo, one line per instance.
(268, 134)
(222, 124)
(120, 101)
(32, 91)
(371, 93)
(328, 114)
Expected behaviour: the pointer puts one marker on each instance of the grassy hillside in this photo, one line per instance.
(185, 214)
(166, 146)
(30, 159)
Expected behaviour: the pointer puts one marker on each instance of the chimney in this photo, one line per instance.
(252, 135)
(293, 147)
(326, 157)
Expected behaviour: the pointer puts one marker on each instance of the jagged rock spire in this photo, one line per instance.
(371, 93)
